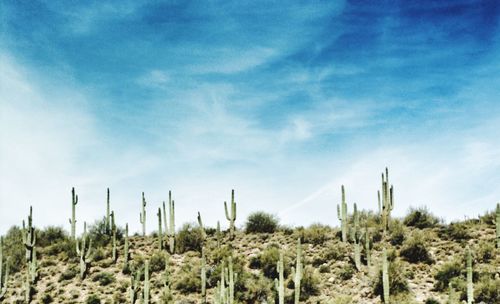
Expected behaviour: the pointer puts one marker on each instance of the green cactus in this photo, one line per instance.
(367, 246)
(453, 296)
(166, 296)
(221, 294)
(387, 199)
(356, 236)
(342, 215)
(113, 234)
(279, 283)
(33, 268)
(145, 300)
(29, 237)
(72, 220)
(108, 215)
(231, 280)
(85, 252)
(4, 279)
(203, 276)
(134, 286)
(385, 277)
(202, 229)
(142, 215)
(28, 292)
(470, 287)
(171, 228)
(126, 254)
(297, 272)
(497, 222)
(160, 232)
(231, 217)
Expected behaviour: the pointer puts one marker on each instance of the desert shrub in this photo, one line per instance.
(487, 290)
(47, 298)
(324, 269)
(69, 273)
(446, 272)
(269, 259)
(50, 235)
(347, 272)
(414, 249)
(257, 289)
(485, 251)
(100, 236)
(261, 222)
(93, 299)
(104, 278)
(315, 234)
(420, 218)
(337, 252)
(189, 238)
(309, 285)
(342, 299)
(188, 279)
(64, 248)
(287, 230)
(431, 301)
(457, 231)
(397, 232)
(398, 281)
(157, 261)
(99, 254)
(14, 248)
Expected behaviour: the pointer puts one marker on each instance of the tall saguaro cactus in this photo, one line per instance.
(202, 229)
(4, 279)
(160, 232)
(231, 217)
(113, 234)
(279, 283)
(470, 287)
(145, 300)
(108, 215)
(72, 220)
(497, 222)
(170, 230)
(29, 237)
(342, 215)
(385, 277)
(203, 276)
(297, 272)
(356, 236)
(387, 199)
(84, 251)
(134, 286)
(142, 215)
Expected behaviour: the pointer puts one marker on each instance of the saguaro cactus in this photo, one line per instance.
(160, 232)
(33, 268)
(497, 222)
(203, 276)
(297, 272)
(72, 220)
(171, 228)
(280, 281)
(146, 283)
(29, 237)
(231, 217)
(342, 215)
(142, 215)
(356, 236)
(387, 199)
(108, 215)
(85, 252)
(385, 276)
(231, 280)
(134, 286)
(126, 254)
(113, 234)
(367, 247)
(202, 229)
(470, 287)
(5, 278)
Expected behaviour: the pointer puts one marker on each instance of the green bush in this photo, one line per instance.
(309, 285)
(93, 299)
(420, 218)
(50, 235)
(398, 280)
(157, 261)
(268, 260)
(13, 248)
(485, 251)
(457, 231)
(99, 235)
(487, 290)
(69, 273)
(347, 272)
(64, 248)
(104, 278)
(446, 272)
(188, 279)
(431, 301)
(47, 299)
(414, 249)
(261, 222)
(397, 232)
(189, 238)
(257, 289)
(316, 234)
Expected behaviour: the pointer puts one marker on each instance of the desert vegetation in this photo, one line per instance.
(371, 258)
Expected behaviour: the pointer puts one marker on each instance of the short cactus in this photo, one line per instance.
(497, 222)
(142, 215)
(231, 216)
(356, 236)
(203, 276)
(342, 215)
(146, 287)
(29, 237)
(108, 215)
(113, 235)
(367, 247)
(160, 231)
(280, 281)
(218, 235)
(202, 229)
(134, 286)
(385, 277)
(85, 252)
(297, 272)
(170, 230)
(126, 254)
(387, 199)
(72, 220)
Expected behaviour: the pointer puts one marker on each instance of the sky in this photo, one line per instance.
(283, 102)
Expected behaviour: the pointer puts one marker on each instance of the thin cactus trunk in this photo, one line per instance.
(203, 277)
(134, 286)
(4, 278)
(113, 234)
(126, 254)
(342, 215)
(108, 215)
(470, 287)
(385, 277)
(297, 272)
(84, 252)
(202, 229)
(146, 283)
(29, 237)
(160, 232)
(142, 215)
(218, 235)
(387, 199)
(72, 220)
(497, 222)
(367, 247)
(171, 228)
(280, 281)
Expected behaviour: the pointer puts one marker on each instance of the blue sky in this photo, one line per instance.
(282, 102)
